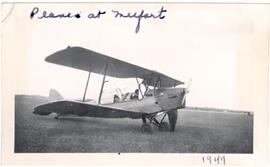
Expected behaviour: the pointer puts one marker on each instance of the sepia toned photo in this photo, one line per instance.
(137, 81)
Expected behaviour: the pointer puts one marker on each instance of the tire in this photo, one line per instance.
(164, 126)
(147, 128)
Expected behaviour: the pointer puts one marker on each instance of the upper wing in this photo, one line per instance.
(87, 60)
(65, 107)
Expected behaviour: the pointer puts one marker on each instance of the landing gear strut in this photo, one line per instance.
(147, 126)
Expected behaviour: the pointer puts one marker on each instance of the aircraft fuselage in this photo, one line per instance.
(165, 99)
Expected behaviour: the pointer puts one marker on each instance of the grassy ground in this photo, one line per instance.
(196, 132)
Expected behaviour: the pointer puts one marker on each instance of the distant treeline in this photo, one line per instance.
(218, 110)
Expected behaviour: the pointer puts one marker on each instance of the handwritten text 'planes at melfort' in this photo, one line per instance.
(117, 14)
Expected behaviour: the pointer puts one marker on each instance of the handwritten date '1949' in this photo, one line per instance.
(214, 160)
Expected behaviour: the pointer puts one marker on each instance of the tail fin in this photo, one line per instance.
(54, 95)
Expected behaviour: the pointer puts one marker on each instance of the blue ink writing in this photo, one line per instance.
(45, 14)
(140, 15)
(93, 16)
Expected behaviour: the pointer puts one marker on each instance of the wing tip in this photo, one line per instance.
(50, 57)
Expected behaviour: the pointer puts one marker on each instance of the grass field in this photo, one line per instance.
(196, 132)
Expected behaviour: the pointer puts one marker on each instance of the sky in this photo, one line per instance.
(222, 48)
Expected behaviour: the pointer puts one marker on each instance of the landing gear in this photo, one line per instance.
(149, 121)
(147, 128)
(161, 125)
(164, 126)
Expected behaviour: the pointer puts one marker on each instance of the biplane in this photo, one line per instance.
(162, 95)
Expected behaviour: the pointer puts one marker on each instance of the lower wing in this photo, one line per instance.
(66, 107)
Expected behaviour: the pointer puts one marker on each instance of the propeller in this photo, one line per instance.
(186, 91)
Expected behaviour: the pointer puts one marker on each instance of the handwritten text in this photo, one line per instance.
(142, 14)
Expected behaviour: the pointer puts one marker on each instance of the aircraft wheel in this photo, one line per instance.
(164, 126)
(147, 128)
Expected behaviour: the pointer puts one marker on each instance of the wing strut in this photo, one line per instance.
(139, 86)
(103, 82)
(86, 86)
(158, 81)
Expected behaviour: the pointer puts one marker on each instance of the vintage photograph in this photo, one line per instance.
(136, 77)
